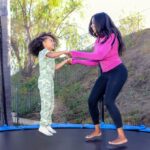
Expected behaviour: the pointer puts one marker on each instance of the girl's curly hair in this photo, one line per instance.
(36, 45)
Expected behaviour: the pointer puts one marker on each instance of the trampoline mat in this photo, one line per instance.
(70, 139)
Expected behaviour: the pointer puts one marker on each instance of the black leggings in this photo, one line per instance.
(108, 85)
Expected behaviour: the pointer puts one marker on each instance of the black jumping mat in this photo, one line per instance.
(70, 139)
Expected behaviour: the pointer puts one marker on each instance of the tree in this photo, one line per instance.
(30, 17)
(131, 23)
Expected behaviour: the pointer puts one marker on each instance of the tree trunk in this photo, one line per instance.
(28, 62)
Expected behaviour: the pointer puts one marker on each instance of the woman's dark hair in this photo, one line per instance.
(36, 45)
(104, 28)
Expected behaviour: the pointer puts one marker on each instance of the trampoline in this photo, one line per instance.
(71, 137)
(68, 136)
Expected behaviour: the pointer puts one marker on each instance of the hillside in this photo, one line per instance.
(135, 98)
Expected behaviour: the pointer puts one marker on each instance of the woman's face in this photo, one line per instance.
(93, 26)
(49, 43)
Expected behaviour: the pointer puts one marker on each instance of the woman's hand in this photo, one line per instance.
(68, 54)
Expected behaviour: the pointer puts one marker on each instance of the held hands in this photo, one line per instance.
(69, 61)
(69, 56)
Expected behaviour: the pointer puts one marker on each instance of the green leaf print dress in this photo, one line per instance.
(46, 86)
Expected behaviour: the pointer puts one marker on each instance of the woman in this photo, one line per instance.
(107, 50)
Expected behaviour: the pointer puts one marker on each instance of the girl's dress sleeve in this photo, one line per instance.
(43, 53)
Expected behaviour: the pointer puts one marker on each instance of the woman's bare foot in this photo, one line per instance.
(96, 133)
(121, 138)
(93, 135)
(118, 141)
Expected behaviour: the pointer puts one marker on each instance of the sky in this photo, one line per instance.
(116, 9)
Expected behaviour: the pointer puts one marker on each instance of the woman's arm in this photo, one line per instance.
(84, 62)
(55, 54)
(100, 51)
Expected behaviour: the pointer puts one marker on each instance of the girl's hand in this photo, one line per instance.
(69, 61)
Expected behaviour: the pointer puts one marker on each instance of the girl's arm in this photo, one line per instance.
(56, 54)
(100, 51)
(61, 64)
(84, 62)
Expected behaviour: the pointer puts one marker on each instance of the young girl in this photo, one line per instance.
(107, 48)
(42, 47)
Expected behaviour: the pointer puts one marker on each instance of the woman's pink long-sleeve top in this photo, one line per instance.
(105, 55)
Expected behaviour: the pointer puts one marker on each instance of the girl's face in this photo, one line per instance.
(49, 43)
(93, 26)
